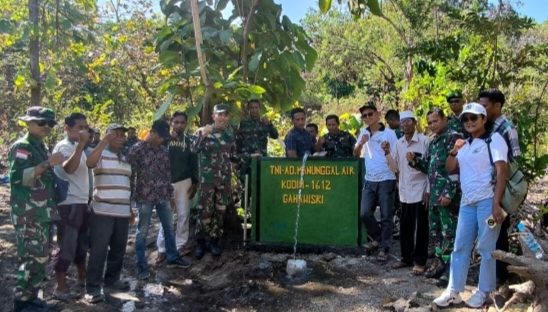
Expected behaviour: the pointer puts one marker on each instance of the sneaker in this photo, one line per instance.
(477, 299)
(178, 263)
(142, 272)
(116, 286)
(448, 297)
(94, 298)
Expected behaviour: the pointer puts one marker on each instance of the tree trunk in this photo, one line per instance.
(34, 52)
(206, 108)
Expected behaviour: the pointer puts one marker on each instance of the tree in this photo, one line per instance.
(262, 55)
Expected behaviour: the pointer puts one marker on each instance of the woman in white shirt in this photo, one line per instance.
(480, 202)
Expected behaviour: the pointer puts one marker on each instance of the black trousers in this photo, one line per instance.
(414, 235)
(106, 232)
(504, 245)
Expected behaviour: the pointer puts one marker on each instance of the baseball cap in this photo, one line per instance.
(407, 114)
(473, 108)
(368, 105)
(220, 108)
(115, 126)
(38, 113)
(161, 127)
(456, 94)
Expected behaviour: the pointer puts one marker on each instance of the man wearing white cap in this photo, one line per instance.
(413, 191)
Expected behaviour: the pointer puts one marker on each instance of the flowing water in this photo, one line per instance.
(301, 185)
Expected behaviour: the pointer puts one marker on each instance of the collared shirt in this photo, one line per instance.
(112, 189)
(413, 183)
(339, 145)
(399, 133)
(151, 173)
(442, 182)
(299, 140)
(78, 191)
(216, 152)
(253, 137)
(376, 164)
(32, 199)
(476, 168)
(510, 135)
(455, 124)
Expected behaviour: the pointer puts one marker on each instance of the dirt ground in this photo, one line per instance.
(240, 280)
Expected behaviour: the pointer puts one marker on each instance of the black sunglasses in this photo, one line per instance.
(454, 101)
(368, 115)
(50, 123)
(472, 118)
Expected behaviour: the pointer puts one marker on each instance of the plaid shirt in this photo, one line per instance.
(299, 140)
(508, 131)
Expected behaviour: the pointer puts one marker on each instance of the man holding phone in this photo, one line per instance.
(380, 182)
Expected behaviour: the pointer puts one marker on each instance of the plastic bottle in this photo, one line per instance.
(529, 239)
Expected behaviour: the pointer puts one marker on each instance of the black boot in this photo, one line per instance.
(443, 281)
(438, 271)
(32, 305)
(199, 250)
(214, 247)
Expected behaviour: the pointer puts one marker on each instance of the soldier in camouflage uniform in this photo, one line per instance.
(445, 191)
(253, 136)
(456, 102)
(216, 149)
(32, 204)
(336, 143)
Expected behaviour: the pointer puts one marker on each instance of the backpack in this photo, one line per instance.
(516, 185)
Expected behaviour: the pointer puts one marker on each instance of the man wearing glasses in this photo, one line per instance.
(456, 102)
(33, 205)
(380, 182)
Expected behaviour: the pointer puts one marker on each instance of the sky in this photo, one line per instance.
(296, 9)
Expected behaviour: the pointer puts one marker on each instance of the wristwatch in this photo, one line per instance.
(45, 165)
(453, 155)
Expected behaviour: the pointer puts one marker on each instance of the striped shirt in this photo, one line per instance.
(111, 186)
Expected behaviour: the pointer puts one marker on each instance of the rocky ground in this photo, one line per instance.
(243, 279)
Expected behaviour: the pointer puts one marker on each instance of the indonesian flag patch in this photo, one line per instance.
(22, 154)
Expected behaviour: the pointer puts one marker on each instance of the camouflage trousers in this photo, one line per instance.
(211, 209)
(443, 226)
(33, 240)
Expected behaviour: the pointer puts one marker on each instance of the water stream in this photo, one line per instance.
(301, 186)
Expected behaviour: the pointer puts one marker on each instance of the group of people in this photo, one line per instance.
(88, 185)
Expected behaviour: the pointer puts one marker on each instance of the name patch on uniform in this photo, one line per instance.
(22, 154)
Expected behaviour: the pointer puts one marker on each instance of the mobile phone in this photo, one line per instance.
(491, 221)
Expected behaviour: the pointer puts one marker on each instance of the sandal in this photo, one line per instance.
(161, 257)
(418, 270)
(381, 257)
(371, 247)
(400, 265)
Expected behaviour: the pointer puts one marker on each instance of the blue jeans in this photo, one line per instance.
(166, 219)
(472, 225)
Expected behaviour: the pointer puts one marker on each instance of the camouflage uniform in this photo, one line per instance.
(253, 138)
(339, 145)
(215, 153)
(33, 208)
(443, 219)
(454, 123)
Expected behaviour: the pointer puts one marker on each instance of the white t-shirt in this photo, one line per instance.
(78, 191)
(413, 183)
(376, 165)
(476, 168)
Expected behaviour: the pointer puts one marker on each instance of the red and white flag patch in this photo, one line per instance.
(22, 154)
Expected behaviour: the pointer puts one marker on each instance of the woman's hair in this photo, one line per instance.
(489, 125)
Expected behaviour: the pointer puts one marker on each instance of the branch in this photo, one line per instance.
(199, 41)
(245, 35)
